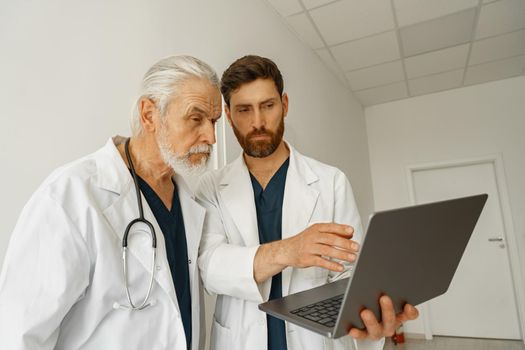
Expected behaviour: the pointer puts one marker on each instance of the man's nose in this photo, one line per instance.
(209, 133)
(258, 120)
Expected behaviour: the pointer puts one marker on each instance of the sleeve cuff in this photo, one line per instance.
(230, 272)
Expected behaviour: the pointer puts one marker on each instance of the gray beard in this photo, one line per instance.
(181, 164)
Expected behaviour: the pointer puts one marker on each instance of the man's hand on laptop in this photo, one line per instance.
(317, 245)
(387, 326)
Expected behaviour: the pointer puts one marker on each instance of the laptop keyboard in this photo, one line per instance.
(324, 312)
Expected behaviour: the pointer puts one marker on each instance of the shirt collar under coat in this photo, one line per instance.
(113, 174)
(298, 167)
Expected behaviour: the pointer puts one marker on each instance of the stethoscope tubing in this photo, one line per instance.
(153, 235)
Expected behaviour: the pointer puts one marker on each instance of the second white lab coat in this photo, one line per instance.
(63, 274)
(314, 192)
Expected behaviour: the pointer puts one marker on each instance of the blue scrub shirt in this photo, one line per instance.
(269, 206)
(171, 224)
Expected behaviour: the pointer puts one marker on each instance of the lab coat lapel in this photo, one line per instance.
(193, 214)
(299, 203)
(237, 194)
(139, 245)
(114, 176)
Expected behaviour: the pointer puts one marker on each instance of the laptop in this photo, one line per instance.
(409, 254)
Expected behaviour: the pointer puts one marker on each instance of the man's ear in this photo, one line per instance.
(284, 101)
(148, 112)
(228, 113)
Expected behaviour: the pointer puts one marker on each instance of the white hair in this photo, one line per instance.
(162, 80)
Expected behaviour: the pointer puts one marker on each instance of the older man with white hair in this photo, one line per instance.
(81, 271)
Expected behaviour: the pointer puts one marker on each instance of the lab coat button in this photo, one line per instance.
(189, 261)
(158, 267)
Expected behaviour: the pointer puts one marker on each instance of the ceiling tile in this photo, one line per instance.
(314, 3)
(286, 7)
(364, 53)
(438, 33)
(437, 61)
(436, 82)
(305, 30)
(375, 76)
(495, 70)
(499, 47)
(414, 11)
(327, 58)
(501, 17)
(382, 94)
(367, 52)
(332, 65)
(351, 19)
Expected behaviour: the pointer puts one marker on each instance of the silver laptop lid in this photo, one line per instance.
(410, 254)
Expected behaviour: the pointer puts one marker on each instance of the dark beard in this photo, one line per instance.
(260, 149)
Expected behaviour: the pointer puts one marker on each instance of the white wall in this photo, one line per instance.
(69, 71)
(464, 123)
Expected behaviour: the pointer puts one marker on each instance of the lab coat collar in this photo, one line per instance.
(299, 201)
(237, 193)
(112, 173)
(299, 167)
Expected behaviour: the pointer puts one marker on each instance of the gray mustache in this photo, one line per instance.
(200, 149)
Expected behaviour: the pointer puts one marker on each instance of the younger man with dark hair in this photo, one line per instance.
(260, 241)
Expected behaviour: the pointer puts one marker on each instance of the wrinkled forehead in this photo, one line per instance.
(198, 94)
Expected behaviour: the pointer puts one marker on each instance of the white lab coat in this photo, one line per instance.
(314, 192)
(63, 270)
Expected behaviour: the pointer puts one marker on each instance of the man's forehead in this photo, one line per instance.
(254, 92)
(198, 93)
(213, 108)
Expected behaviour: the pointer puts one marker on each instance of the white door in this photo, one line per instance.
(480, 302)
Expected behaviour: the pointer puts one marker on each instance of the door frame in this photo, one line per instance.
(496, 160)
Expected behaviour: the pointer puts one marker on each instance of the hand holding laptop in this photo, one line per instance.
(389, 323)
(319, 241)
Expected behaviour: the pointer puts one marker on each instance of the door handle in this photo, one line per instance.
(495, 239)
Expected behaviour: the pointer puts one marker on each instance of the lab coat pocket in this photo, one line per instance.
(221, 337)
(343, 343)
(300, 338)
(307, 278)
(316, 274)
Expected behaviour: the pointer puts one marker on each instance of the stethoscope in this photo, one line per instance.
(153, 235)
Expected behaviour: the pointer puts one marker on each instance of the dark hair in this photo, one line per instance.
(247, 69)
